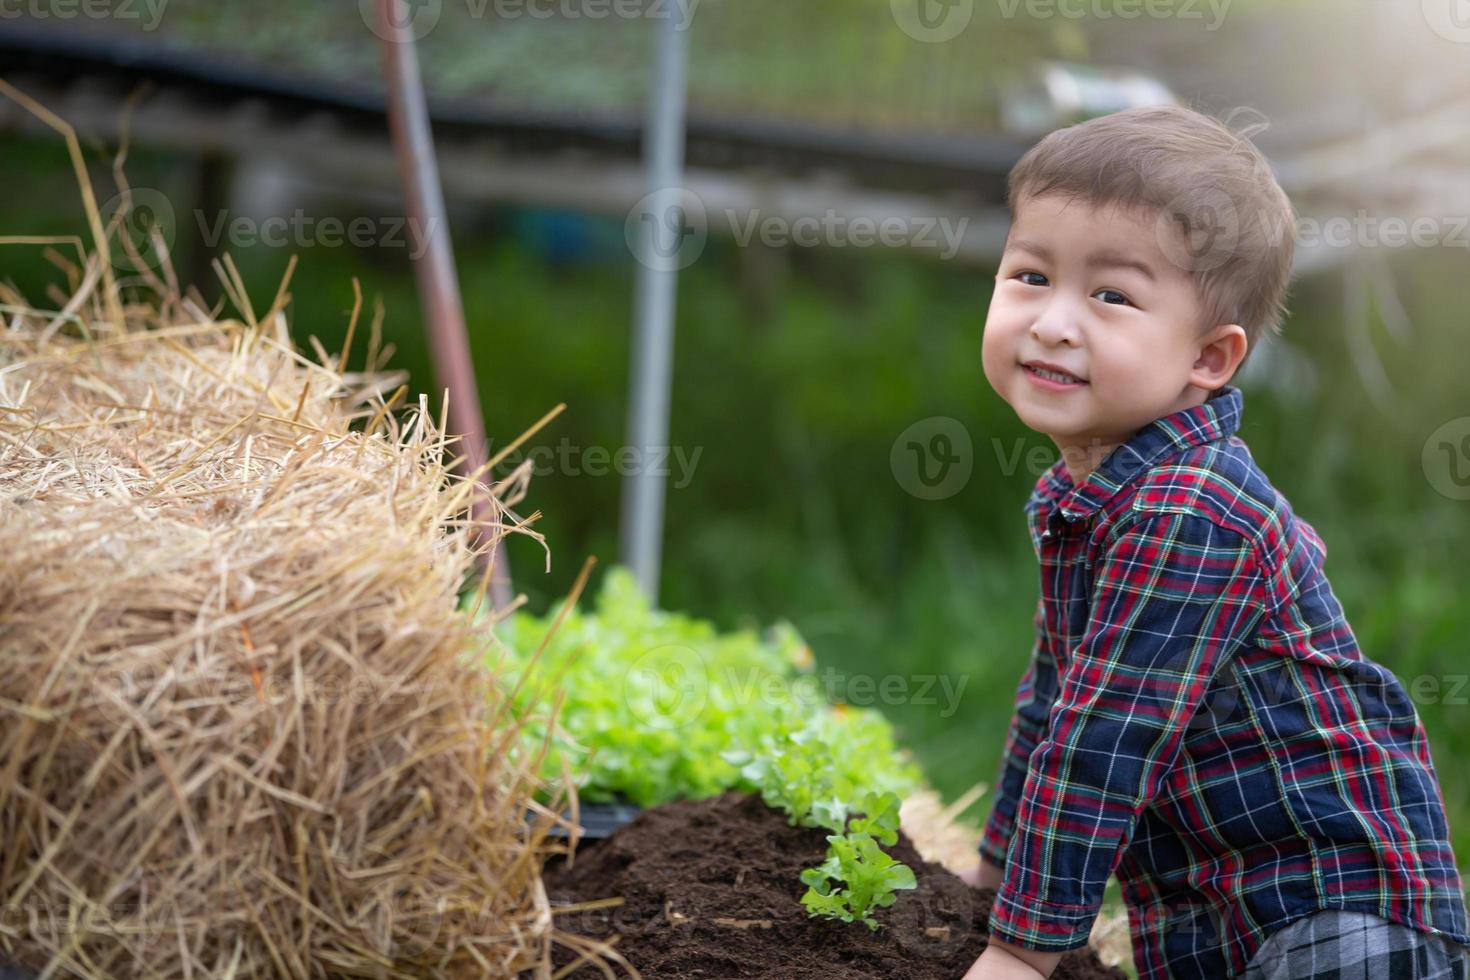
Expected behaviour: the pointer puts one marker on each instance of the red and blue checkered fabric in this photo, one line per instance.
(1196, 718)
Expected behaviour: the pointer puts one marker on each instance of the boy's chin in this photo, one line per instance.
(1064, 431)
(1050, 421)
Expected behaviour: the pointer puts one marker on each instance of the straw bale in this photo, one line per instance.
(243, 731)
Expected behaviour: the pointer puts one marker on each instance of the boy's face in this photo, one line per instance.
(1091, 292)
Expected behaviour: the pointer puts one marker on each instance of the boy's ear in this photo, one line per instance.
(1221, 352)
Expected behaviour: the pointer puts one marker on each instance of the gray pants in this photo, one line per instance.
(1337, 945)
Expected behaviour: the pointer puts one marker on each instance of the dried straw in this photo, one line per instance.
(241, 731)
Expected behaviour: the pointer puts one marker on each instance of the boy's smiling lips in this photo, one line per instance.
(1032, 366)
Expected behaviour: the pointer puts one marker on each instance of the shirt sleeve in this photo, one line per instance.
(1173, 596)
(1035, 694)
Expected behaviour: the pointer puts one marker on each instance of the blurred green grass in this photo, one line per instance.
(794, 374)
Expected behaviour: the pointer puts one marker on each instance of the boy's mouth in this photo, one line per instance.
(1051, 377)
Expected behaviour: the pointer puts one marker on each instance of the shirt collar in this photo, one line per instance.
(1217, 418)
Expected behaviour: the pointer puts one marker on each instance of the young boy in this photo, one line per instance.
(1196, 717)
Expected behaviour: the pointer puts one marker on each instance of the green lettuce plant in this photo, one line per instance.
(654, 706)
(871, 878)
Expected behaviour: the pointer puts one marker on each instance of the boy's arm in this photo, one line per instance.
(1035, 694)
(1173, 597)
(1002, 961)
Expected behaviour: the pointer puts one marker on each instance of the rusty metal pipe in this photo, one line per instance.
(438, 283)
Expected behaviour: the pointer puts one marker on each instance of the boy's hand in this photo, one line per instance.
(983, 875)
(1002, 961)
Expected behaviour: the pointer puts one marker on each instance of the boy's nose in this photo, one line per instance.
(1055, 327)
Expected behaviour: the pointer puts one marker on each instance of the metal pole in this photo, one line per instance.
(656, 288)
(408, 117)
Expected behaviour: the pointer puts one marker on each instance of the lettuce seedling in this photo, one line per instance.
(872, 879)
(658, 706)
(880, 817)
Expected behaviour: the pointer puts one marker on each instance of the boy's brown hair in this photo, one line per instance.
(1221, 215)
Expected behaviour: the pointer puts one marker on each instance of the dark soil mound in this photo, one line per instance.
(712, 891)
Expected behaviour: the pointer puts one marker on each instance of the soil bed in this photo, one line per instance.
(711, 891)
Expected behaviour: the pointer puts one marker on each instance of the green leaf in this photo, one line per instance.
(658, 706)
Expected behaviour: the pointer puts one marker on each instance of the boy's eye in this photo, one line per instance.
(1110, 296)
(1112, 292)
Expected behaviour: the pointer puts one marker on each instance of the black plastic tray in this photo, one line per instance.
(598, 820)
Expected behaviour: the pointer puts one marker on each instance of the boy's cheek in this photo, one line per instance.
(992, 356)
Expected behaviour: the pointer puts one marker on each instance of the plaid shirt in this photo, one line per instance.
(1197, 719)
